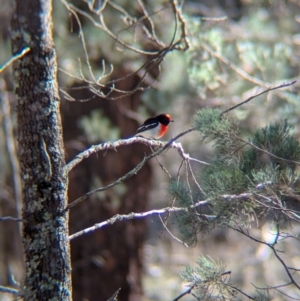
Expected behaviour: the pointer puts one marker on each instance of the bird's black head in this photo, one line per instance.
(165, 119)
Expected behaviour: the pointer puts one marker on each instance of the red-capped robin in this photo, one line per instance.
(154, 127)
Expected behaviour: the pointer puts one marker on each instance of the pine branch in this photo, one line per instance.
(266, 152)
(189, 291)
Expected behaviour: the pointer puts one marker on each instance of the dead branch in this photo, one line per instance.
(225, 197)
(283, 85)
(192, 286)
(114, 145)
(275, 252)
(135, 170)
(115, 295)
(11, 149)
(10, 218)
(118, 217)
(14, 58)
(235, 68)
(5, 289)
(153, 58)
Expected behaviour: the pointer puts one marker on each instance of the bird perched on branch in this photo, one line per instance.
(154, 127)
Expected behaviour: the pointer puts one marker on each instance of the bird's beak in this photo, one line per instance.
(171, 120)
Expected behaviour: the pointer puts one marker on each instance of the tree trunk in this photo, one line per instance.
(41, 154)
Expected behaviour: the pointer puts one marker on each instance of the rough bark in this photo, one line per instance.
(41, 154)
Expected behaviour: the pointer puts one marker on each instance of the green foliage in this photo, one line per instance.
(224, 53)
(244, 180)
(233, 211)
(222, 129)
(181, 193)
(263, 295)
(277, 140)
(201, 66)
(188, 222)
(209, 122)
(208, 280)
(98, 128)
(222, 184)
(220, 178)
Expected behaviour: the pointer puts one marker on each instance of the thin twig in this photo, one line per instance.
(135, 170)
(155, 57)
(284, 85)
(131, 173)
(5, 289)
(11, 151)
(266, 152)
(10, 218)
(240, 230)
(276, 288)
(234, 67)
(167, 229)
(241, 292)
(14, 58)
(115, 295)
(273, 287)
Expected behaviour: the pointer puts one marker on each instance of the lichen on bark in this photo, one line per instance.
(41, 155)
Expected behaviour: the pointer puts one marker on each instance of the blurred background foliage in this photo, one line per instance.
(237, 49)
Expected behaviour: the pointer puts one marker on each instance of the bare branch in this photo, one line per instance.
(153, 58)
(5, 289)
(14, 58)
(102, 25)
(184, 35)
(161, 211)
(284, 85)
(235, 68)
(276, 288)
(131, 173)
(133, 215)
(114, 296)
(177, 239)
(11, 150)
(275, 252)
(10, 218)
(135, 170)
(113, 145)
(241, 292)
(273, 287)
(266, 152)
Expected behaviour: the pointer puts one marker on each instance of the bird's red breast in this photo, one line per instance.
(162, 131)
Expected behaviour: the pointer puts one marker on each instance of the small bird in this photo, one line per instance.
(154, 127)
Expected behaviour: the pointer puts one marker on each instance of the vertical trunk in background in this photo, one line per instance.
(112, 257)
(41, 154)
